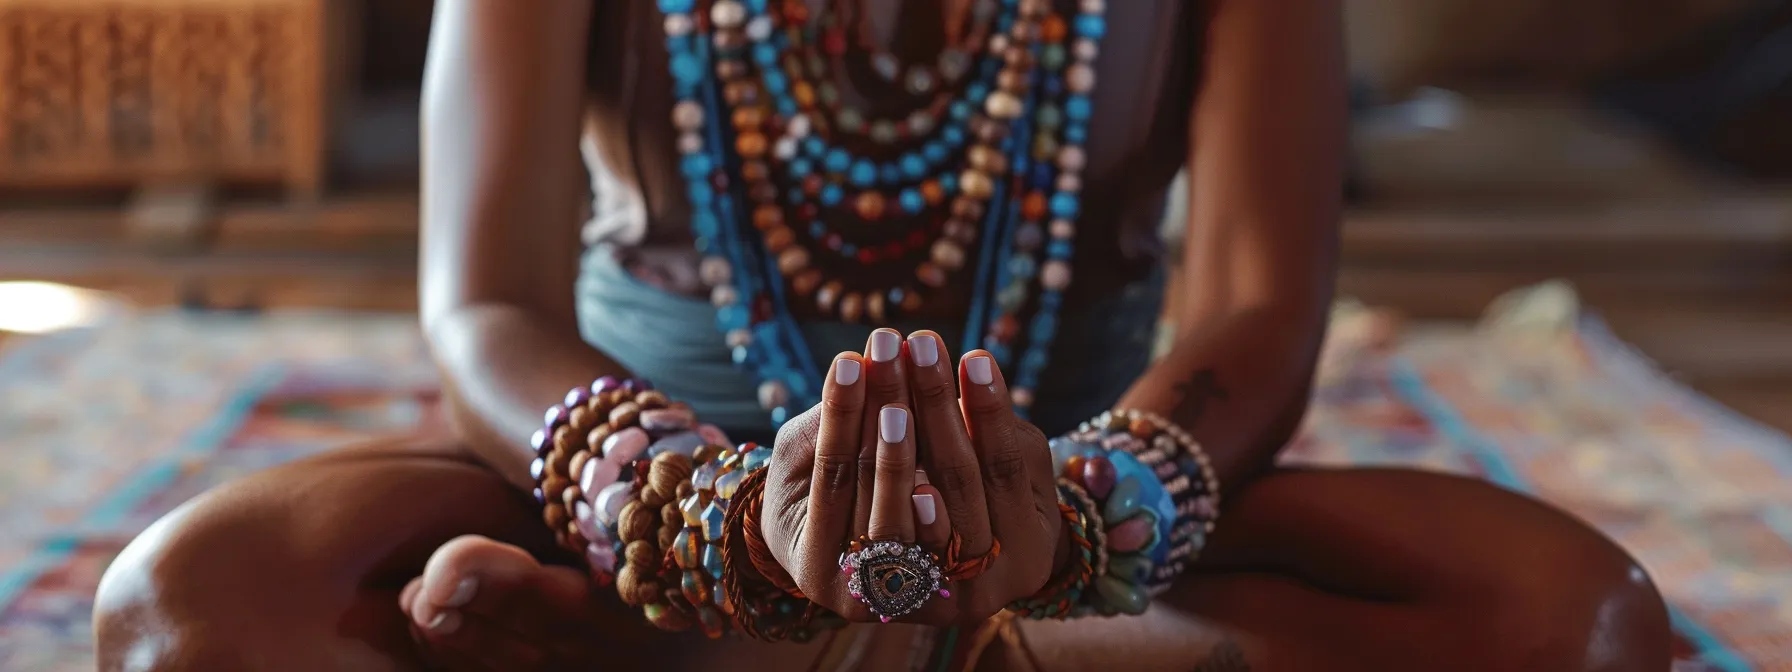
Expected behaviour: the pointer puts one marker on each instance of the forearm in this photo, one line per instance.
(1238, 383)
(503, 367)
(501, 186)
(1268, 133)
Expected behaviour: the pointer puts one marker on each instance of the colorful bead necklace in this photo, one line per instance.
(919, 78)
(826, 42)
(824, 167)
(833, 296)
(1016, 188)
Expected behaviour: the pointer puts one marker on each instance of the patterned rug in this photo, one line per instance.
(105, 429)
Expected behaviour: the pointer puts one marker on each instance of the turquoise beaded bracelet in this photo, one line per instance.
(1153, 497)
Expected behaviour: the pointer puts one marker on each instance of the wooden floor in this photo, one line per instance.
(1702, 286)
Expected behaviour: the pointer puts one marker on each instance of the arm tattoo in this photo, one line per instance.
(1193, 395)
(1225, 657)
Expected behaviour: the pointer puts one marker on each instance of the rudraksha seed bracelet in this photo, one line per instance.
(630, 480)
(596, 459)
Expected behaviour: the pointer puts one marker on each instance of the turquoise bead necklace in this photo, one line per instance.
(822, 48)
(1015, 185)
(888, 199)
(918, 78)
(880, 193)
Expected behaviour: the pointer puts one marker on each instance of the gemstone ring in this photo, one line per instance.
(892, 578)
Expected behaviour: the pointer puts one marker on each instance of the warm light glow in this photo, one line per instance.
(39, 307)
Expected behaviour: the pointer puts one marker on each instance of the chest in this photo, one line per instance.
(1137, 135)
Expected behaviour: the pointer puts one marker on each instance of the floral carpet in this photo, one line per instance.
(104, 429)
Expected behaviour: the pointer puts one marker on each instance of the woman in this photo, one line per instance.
(402, 555)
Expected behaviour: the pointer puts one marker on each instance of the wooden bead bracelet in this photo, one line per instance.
(628, 478)
(613, 463)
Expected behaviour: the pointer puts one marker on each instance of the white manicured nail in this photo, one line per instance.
(921, 477)
(924, 349)
(924, 513)
(979, 371)
(445, 622)
(846, 371)
(892, 424)
(885, 344)
(463, 592)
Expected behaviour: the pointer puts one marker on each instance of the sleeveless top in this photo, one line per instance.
(640, 300)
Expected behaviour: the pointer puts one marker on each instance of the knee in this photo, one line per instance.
(299, 567)
(148, 598)
(1564, 596)
(222, 583)
(183, 593)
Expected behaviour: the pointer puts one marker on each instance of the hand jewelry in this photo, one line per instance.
(894, 579)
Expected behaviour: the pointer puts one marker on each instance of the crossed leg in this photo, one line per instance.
(300, 567)
(1387, 569)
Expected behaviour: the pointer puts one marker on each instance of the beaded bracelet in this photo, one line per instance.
(764, 607)
(656, 575)
(1150, 498)
(1187, 473)
(1060, 596)
(671, 531)
(613, 467)
(660, 522)
(573, 434)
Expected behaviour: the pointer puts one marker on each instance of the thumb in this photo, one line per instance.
(504, 584)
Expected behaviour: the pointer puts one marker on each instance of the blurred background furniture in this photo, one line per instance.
(97, 93)
(192, 150)
(1496, 145)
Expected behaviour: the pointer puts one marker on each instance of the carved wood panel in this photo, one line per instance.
(126, 91)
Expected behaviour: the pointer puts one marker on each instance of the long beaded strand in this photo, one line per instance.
(759, 330)
(985, 160)
(828, 35)
(822, 164)
(1071, 115)
(748, 287)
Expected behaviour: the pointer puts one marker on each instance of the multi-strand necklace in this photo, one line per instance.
(804, 201)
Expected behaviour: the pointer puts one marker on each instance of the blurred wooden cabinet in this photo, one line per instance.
(134, 92)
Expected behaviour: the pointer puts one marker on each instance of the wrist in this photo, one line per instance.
(1062, 554)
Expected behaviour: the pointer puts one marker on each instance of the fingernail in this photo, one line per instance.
(445, 622)
(924, 512)
(921, 477)
(978, 370)
(924, 350)
(892, 424)
(846, 371)
(463, 592)
(884, 345)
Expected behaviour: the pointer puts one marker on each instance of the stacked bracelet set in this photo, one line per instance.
(667, 511)
(1147, 497)
(630, 480)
